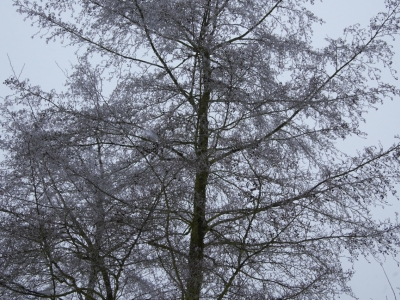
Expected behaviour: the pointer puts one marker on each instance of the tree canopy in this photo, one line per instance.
(210, 169)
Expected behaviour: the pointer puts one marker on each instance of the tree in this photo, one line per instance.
(210, 170)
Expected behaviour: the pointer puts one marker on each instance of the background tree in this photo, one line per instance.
(210, 171)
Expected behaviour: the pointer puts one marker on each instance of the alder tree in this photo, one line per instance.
(193, 154)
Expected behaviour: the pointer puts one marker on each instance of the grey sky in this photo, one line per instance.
(40, 66)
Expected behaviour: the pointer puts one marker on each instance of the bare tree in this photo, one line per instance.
(210, 170)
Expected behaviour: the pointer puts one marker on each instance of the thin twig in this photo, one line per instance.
(388, 281)
(12, 68)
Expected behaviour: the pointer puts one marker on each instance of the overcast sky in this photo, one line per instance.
(43, 64)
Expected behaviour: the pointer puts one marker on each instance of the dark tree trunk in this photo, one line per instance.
(199, 224)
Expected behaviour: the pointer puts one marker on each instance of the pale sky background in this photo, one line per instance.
(41, 59)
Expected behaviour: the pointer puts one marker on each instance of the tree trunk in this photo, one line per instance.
(199, 224)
